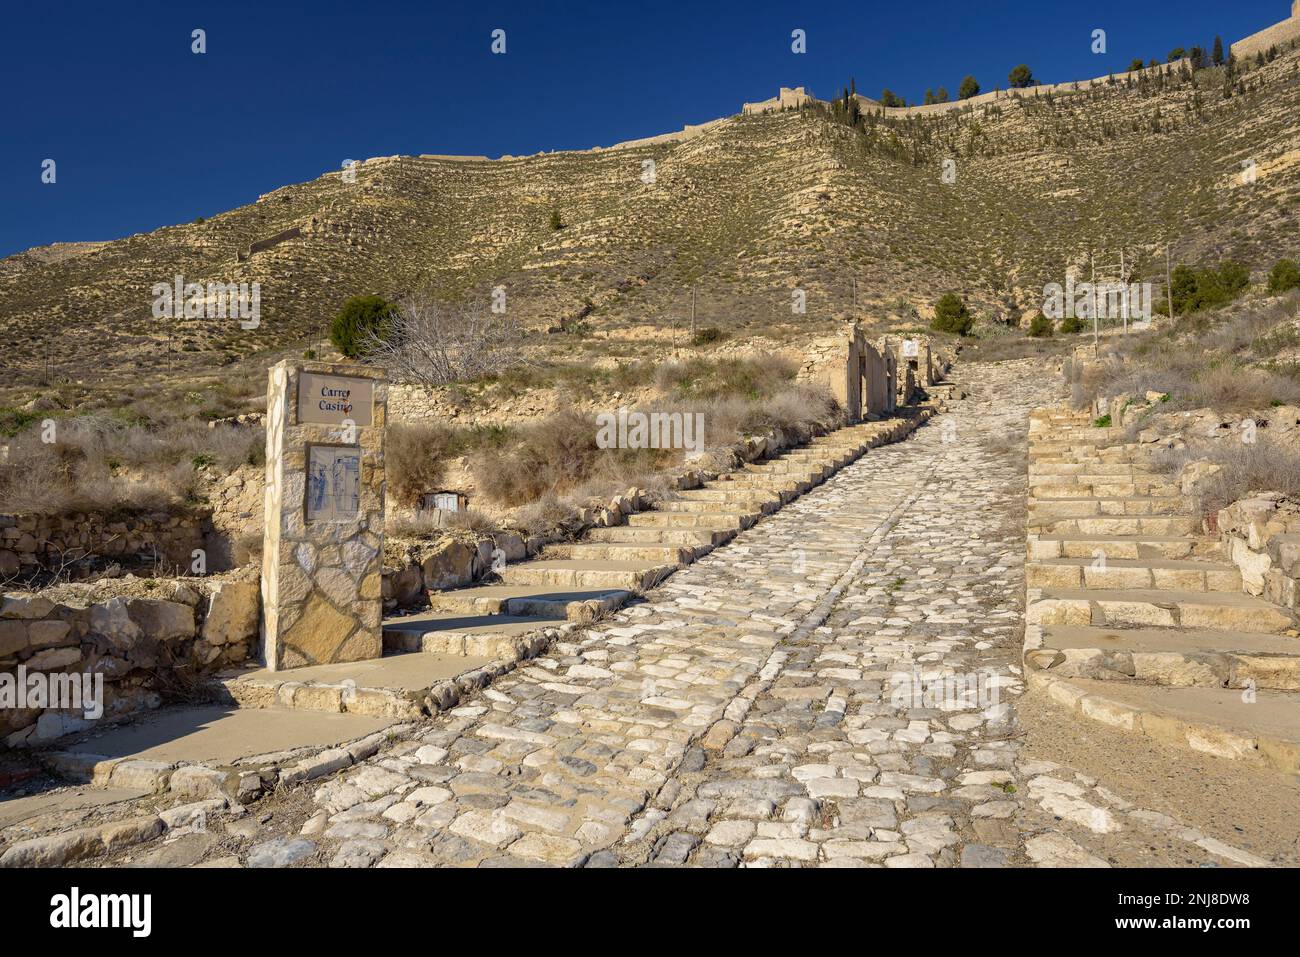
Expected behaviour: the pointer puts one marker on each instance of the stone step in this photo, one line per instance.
(765, 506)
(1127, 573)
(1090, 469)
(529, 601)
(1048, 509)
(626, 552)
(1170, 656)
(1261, 730)
(633, 576)
(824, 454)
(797, 471)
(791, 485)
(688, 537)
(1079, 438)
(477, 636)
(1111, 456)
(1140, 608)
(717, 520)
(1079, 545)
(1127, 526)
(720, 493)
(1135, 476)
(1108, 489)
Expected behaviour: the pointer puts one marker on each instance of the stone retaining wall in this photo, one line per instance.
(145, 648)
(30, 543)
(1261, 536)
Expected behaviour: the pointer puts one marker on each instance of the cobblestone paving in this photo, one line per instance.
(774, 704)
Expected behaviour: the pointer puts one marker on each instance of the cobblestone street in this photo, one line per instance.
(836, 687)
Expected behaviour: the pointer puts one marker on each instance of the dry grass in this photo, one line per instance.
(557, 455)
(415, 459)
(1228, 360)
(99, 462)
(745, 378)
(1262, 466)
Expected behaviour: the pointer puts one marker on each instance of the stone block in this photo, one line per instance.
(232, 613)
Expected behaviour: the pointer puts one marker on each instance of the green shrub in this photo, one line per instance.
(952, 316)
(557, 221)
(1021, 77)
(969, 87)
(1071, 325)
(1283, 276)
(360, 316)
(1040, 327)
(1103, 422)
(1209, 287)
(708, 335)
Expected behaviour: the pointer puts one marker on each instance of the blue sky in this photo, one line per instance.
(146, 133)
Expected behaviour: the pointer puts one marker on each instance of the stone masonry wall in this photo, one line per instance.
(30, 543)
(1278, 35)
(1261, 536)
(146, 648)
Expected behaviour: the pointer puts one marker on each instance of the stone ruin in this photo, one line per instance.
(861, 377)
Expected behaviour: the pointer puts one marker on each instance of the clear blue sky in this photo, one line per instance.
(145, 133)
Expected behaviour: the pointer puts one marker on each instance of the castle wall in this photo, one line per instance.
(1279, 35)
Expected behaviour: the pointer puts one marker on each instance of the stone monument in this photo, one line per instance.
(323, 538)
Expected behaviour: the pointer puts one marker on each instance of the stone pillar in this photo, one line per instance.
(890, 384)
(323, 538)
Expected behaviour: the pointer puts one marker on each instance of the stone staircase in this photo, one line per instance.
(469, 635)
(1135, 618)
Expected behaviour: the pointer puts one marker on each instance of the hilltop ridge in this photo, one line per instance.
(743, 210)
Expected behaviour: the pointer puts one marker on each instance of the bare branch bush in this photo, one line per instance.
(431, 344)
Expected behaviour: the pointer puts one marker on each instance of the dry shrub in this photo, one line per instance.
(542, 514)
(1012, 443)
(1230, 389)
(415, 459)
(742, 377)
(1266, 465)
(556, 455)
(1216, 359)
(472, 520)
(100, 462)
(433, 344)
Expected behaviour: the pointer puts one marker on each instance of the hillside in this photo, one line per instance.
(746, 211)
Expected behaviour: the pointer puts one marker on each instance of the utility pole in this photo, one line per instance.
(693, 290)
(855, 295)
(1123, 279)
(1092, 296)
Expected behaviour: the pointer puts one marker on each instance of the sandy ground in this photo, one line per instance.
(1255, 810)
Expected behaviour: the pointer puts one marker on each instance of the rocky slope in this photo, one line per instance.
(747, 211)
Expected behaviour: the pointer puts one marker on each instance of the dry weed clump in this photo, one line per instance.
(557, 455)
(560, 454)
(1262, 466)
(98, 462)
(1232, 360)
(415, 459)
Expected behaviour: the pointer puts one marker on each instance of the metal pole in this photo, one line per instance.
(1092, 296)
(1123, 278)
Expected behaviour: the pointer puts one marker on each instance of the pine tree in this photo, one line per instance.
(1021, 77)
(1218, 51)
(969, 87)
